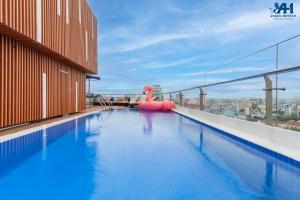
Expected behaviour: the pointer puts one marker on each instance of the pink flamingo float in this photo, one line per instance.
(155, 105)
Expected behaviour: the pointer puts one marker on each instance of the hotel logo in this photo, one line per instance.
(283, 11)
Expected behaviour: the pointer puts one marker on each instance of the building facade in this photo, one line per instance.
(157, 92)
(46, 50)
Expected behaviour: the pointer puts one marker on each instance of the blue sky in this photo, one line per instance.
(173, 42)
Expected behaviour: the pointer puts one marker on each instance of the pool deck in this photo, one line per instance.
(27, 128)
(282, 141)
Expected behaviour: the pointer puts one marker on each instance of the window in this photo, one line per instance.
(86, 46)
(39, 20)
(76, 96)
(92, 27)
(44, 93)
(79, 10)
(58, 7)
(67, 11)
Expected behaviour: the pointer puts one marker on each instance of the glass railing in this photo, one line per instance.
(271, 98)
(288, 101)
(261, 87)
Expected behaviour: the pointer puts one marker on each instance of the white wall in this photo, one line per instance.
(76, 96)
(86, 46)
(67, 12)
(79, 10)
(39, 20)
(58, 2)
(44, 93)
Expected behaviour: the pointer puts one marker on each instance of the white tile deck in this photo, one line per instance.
(38, 128)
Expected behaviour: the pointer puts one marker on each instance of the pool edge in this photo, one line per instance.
(27, 131)
(286, 156)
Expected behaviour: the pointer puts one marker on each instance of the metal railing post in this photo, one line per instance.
(276, 99)
(269, 103)
(202, 96)
(180, 98)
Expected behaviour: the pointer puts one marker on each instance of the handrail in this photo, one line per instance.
(274, 72)
(100, 101)
(104, 101)
(108, 101)
(253, 53)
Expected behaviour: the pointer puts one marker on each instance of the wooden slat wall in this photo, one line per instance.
(21, 84)
(18, 18)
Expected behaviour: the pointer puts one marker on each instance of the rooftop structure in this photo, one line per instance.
(46, 50)
(157, 91)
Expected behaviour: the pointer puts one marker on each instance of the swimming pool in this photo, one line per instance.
(127, 154)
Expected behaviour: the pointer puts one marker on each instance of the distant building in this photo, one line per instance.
(157, 92)
(243, 107)
(291, 109)
(262, 108)
(256, 101)
(257, 114)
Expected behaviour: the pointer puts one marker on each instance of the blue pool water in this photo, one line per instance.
(127, 154)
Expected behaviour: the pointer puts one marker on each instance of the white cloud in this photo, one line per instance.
(146, 41)
(135, 40)
(184, 83)
(170, 64)
(236, 69)
(133, 69)
(246, 20)
(131, 60)
(224, 71)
